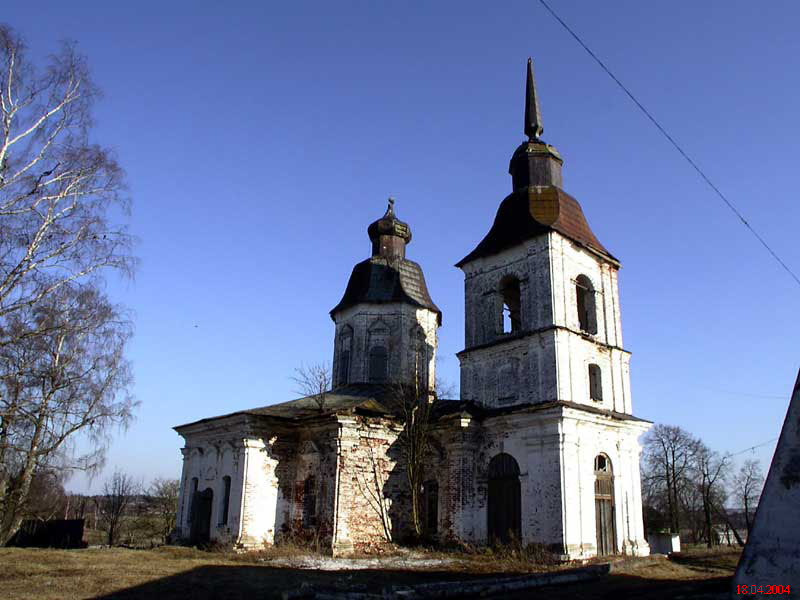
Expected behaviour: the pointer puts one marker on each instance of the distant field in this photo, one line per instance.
(173, 573)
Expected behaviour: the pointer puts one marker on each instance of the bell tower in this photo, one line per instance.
(386, 322)
(542, 313)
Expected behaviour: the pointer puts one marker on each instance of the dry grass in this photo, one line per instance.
(172, 572)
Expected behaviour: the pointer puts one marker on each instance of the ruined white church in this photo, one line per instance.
(542, 447)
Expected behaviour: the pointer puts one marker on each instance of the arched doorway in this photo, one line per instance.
(503, 507)
(604, 506)
(201, 517)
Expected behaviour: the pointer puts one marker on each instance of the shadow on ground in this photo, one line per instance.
(247, 582)
(624, 587)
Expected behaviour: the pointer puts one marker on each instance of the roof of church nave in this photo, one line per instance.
(537, 203)
(371, 399)
(387, 276)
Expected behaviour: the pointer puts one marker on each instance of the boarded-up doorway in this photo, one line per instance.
(604, 506)
(503, 507)
(201, 517)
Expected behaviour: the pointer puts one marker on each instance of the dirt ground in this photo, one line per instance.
(172, 573)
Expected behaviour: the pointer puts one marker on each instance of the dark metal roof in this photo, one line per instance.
(381, 280)
(343, 399)
(365, 397)
(448, 407)
(533, 211)
(372, 399)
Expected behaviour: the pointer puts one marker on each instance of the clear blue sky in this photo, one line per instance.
(260, 139)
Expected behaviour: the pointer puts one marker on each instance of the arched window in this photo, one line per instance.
(512, 315)
(345, 347)
(226, 499)
(587, 313)
(595, 383)
(378, 364)
(310, 502)
(604, 505)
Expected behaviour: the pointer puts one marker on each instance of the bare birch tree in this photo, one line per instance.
(56, 188)
(61, 341)
(68, 379)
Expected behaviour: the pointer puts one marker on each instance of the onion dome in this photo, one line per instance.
(387, 276)
(389, 235)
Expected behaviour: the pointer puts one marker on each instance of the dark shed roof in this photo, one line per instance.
(381, 280)
(530, 212)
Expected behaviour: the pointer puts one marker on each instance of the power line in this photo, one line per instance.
(754, 447)
(672, 141)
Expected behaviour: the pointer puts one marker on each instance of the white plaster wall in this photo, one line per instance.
(574, 354)
(400, 320)
(586, 436)
(209, 460)
(533, 441)
(531, 359)
(555, 451)
(528, 262)
(568, 260)
(262, 500)
(550, 357)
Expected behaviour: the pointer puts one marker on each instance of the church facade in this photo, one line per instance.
(542, 446)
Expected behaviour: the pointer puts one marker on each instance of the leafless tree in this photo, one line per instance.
(56, 188)
(61, 366)
(709, 471)
(164, 494)
(314, 381)
(747, 485)
(667, 460)
(117, 495)
(414, 404)
(68, 379)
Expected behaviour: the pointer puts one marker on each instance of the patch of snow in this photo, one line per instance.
(323, 563)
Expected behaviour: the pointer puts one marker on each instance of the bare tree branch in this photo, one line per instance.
(117, 495)
(314, 381)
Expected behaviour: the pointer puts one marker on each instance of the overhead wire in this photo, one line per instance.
(754, 447)
(677, 146)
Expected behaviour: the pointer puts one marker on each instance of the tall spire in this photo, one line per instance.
(533, 118)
